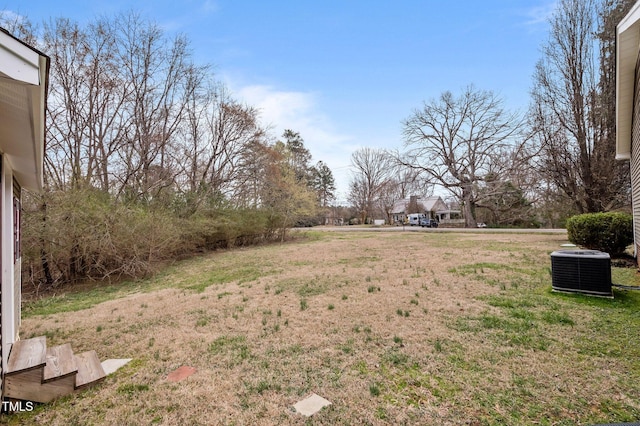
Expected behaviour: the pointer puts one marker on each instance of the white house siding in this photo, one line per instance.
(17, 253)
(635, 162)
(10, 280)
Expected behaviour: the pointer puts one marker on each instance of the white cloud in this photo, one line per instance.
(186, 18)
(300, 112)
(209, 6)
(540, 14)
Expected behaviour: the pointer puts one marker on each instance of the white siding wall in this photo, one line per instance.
(10, 282)
(635, 163)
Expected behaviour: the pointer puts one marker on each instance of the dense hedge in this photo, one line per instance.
(78, 235)
(608, 232)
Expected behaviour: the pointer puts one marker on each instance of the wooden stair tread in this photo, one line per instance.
(27, 354)
(89, 369)
(60, 362)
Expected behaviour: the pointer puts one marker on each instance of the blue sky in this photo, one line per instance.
(343, 73)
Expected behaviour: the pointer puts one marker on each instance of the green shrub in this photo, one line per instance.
(608, 232)
(76, 235)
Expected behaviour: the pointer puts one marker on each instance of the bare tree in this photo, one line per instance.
(68, 47)
(572, 111)
(255, 164)
(455, 140)
(410, 181)
(234, 127)
(86, 115)
(216, 132)
(373, 171)
(387, 196)
(19, 26)
(159, 72)
(359, 197)
(117, 97)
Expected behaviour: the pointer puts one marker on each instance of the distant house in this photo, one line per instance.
(433, 207)
(628, 106)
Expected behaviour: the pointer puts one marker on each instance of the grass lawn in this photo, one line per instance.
(392, 328)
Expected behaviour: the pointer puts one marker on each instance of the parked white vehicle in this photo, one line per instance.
(414, 218)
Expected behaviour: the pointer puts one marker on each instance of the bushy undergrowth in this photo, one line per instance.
(608, 232)
(78, 235)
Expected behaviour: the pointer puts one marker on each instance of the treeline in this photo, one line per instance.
(512, 169)
(148, 157)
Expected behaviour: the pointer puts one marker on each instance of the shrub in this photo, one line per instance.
(71, 236)
(608, 232)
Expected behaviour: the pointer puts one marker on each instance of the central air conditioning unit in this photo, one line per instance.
(581, 271)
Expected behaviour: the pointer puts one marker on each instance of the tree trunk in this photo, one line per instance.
(469, 207)
(43, 253)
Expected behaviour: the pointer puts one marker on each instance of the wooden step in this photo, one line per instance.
(60, 363)
(28, 354)
(35, 373)
(33, 381)
(23, 377)
(90, 369)
(24, 385)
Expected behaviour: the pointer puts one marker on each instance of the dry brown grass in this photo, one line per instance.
(413, 328)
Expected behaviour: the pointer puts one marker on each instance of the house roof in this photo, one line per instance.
(24, 74)
(429, 203)
(627, 45)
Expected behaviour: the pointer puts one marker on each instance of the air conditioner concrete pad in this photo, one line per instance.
(311, 405)
(112, 365)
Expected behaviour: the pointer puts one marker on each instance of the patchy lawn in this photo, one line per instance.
(392, 328)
